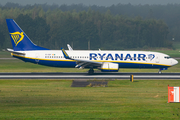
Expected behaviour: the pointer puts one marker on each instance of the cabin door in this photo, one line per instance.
(157, 58)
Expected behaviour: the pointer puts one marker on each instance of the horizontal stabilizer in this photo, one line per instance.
(15, 52)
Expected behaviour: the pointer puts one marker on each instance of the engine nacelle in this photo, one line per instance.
(110, 67)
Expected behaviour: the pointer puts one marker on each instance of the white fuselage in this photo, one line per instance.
(125, 59)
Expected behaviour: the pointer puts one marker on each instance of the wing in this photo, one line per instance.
(82, 63)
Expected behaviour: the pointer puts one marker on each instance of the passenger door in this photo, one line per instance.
(157, 58)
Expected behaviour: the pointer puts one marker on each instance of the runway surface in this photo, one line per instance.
(85, 76)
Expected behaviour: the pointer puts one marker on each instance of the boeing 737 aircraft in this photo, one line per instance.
(106, 61)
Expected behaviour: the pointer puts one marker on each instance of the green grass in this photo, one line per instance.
(15, 65)
(53, 99)
(5, 54)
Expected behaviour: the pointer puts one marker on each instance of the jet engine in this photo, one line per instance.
(110, 67)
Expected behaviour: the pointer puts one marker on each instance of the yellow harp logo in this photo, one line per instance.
(17, 37)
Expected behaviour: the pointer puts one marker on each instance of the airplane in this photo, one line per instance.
(104, 60)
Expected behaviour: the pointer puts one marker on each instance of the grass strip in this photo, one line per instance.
(54, 99)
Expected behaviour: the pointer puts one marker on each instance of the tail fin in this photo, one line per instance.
(19, 39)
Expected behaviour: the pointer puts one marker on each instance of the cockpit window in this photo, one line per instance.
(167, 57)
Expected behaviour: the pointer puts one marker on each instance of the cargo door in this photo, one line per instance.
(37, 57)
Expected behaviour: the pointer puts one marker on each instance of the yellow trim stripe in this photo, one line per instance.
(95, 61)
(108, 69)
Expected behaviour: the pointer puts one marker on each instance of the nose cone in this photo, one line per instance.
(174, 62)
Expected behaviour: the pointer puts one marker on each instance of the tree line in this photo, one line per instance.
(168, 13)
(54, 28)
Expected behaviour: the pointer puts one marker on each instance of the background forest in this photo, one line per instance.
(116, 27)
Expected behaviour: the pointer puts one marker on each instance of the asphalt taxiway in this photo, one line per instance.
(85, 76)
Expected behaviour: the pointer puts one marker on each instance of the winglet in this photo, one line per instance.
(69, 47)
(65, 54)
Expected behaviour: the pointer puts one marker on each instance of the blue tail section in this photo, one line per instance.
(19, 39)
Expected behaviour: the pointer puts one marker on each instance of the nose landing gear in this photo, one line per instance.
(161, 70)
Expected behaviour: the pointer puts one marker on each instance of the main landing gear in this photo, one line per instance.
(91, 71)
(159, 71)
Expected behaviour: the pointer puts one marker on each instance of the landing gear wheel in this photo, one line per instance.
(91, 71)
(159, 72)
